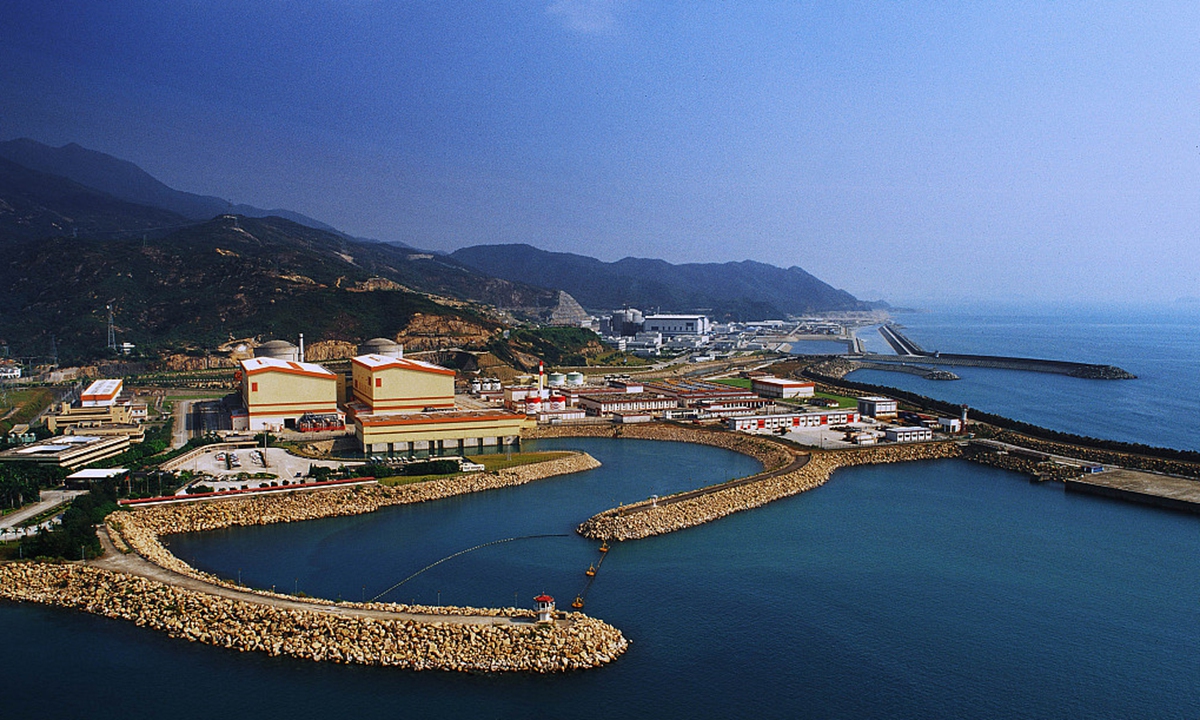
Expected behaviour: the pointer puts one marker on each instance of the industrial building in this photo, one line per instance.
(672, 325)
(782, 388)
(458, 432)
(405, 406)
(383, 383)
(711, 398)
(100, 410)
(619, 402)
(69, 451)
(276, 393)
(789, 421)
(624, 323)
(877, 407)
(950, 425)
(907, 434)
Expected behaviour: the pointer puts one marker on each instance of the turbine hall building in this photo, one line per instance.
(399, 405)
(277, 392)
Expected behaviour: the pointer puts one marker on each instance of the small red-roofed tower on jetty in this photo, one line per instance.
(545, 608)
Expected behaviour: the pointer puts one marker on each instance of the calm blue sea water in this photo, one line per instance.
(818, 347)
(1159, 345)
(927, 590)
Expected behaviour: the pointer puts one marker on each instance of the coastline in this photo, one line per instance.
(787, 471)
(204, 608)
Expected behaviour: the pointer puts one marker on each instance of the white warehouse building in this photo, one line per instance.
(908, 434)
(672, 325)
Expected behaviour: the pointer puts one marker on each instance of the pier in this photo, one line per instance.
(1161, 491)
(907, 352)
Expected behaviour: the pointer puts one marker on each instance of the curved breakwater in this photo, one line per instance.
(204, 608)
(787, 472)
(666, 515)
(313, 634)
(142, 529)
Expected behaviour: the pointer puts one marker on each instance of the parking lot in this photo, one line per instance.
(279, 464)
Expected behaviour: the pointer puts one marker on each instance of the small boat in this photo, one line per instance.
(604, 546)
(578, 602)
(591, 571)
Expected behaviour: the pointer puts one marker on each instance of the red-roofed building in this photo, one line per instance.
(277, 392)
(389, 384)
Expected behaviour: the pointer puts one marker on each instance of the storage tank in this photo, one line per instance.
(279, 350)
(575, 379)
(557, 379)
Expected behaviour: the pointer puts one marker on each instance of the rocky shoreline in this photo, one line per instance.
(227, 615)
(773, 455)
(666, 516)
(678, 512)
(141, 530)
(580, 643)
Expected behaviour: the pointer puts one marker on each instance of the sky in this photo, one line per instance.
(907, 151)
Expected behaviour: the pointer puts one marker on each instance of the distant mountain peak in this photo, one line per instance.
(125, 180)
(739, 290)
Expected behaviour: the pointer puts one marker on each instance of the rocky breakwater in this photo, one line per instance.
(693, 508)
(142, 529)
(772, 454)
(342, 637)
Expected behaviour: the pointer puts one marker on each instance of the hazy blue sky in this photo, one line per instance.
(898, 150)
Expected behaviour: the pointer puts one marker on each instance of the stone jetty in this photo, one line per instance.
(183, 602)
(772, 454)
(578, 643)
(142, 529)
(787, 471)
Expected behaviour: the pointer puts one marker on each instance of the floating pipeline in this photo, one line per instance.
(582, 642)
(494, 640)
(142, 529)
(692, 508)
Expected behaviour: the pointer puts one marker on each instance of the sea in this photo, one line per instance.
(925, 590)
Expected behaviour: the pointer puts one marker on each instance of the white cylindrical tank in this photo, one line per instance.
(557, 379)
(575, 378)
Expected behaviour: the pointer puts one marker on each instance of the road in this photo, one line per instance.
(182, 412)
(50, 500)
(134, 564)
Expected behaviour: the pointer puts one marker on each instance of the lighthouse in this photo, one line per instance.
(545, 609)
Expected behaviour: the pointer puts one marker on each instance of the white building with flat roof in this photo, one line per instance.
(908, 434)
(773, 387)
(876, 407)
(672, 325)
(101, 393)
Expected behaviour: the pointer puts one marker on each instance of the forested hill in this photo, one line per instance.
(736, 290)
(232, 276)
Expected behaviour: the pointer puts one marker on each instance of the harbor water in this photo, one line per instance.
(1161, 346)
(932, 590)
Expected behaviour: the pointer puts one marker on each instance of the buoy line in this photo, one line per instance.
(464, 552)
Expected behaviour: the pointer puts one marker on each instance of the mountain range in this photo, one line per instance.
(81, 230)
(744, 290)
(126, 181)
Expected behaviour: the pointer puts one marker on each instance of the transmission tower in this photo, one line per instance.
(112, 335)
